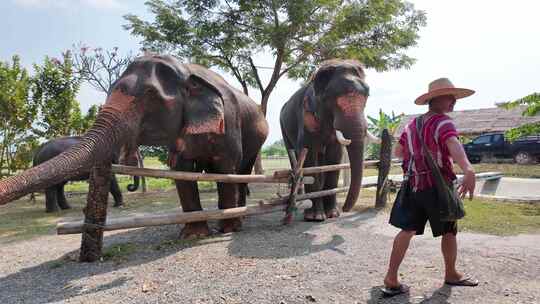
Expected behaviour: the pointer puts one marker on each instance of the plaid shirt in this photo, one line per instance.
(437, 130)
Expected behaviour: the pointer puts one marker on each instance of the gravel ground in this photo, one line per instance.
(339, 261)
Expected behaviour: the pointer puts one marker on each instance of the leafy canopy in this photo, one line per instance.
(17, 113)
(532, 103)
(299, 34)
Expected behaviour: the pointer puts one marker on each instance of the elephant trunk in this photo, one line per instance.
(110, 128)
(355, 131)
(135, 186)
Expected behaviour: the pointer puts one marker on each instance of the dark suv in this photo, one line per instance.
(525, 150)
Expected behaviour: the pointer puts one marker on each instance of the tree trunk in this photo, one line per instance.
(95, 213)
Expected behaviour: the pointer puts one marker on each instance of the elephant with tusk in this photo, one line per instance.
(323, 115)
(206, 124)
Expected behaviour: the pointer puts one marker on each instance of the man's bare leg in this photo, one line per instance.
(401, 244)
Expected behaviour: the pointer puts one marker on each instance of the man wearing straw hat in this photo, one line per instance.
(441, 139)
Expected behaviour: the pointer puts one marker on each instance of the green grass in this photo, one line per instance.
(508, 169)
(24, 220)
(500, 218)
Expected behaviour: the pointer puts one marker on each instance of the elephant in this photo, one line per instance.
(54, 195)
(158, 101)
(324, 114)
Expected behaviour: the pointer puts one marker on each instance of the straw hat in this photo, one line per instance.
(441, 87)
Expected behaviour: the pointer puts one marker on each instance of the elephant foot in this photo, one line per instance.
(194, 231)
(230, 225)
(119, 204)
(65, 206)
(312, 215)
(332, 213)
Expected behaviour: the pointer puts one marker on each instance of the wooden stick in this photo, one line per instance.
(320, 169)
(192, 176)
(296, 181)
(264, 207)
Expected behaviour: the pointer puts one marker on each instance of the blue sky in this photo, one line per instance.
(489, 46)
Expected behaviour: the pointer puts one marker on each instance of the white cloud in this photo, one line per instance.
(97, 4)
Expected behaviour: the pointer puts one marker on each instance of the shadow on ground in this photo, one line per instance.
(262, 237)
(439, 296)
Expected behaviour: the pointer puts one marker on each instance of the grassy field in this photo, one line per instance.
(24, 219)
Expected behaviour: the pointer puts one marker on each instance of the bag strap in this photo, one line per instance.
(435, 171)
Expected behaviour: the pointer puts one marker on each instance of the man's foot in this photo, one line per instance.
(465, 280)
(394, 291)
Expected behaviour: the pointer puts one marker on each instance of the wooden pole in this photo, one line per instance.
(264, 207)
(384, 169)
(192, 176)
(95, 213)
(295, 183)
(321, 169)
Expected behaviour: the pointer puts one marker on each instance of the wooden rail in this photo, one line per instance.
(194, 176)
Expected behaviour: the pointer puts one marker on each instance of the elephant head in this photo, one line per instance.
(340, 94)
(155, 101)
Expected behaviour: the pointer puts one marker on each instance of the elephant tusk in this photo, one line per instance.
(341, 139)
(372, 138)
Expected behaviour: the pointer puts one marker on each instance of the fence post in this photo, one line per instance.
(385, 161)
(95, 212)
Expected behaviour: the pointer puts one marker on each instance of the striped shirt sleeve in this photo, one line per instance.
(444, 130)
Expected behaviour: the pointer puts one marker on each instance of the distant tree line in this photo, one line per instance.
(39, 106)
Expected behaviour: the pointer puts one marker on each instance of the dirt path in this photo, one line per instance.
(340, 261)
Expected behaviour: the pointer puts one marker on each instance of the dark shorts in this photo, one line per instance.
(417, 208)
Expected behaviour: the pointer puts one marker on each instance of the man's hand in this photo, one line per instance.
(458, 154)
(467, 185)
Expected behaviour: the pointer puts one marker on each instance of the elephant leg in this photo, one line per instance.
(190, 201)
(333, 156)
(61, 197)
(316, 212)
(228, 196)
(116, 192)
(51, 204)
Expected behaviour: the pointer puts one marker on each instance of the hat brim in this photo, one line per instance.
(458, 93)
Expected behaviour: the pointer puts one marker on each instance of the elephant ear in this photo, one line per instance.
(321, 78)
(204, 110)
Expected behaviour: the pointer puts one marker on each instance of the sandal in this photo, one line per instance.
(394, 291)
(466, 281)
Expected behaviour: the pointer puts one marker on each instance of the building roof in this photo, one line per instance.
(479, 121)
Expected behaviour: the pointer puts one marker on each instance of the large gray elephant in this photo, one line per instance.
(321, 116)
(158, 101)
(54, 195)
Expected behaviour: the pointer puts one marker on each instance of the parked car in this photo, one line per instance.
(525, 150)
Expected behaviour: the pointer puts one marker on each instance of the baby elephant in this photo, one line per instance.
(54, 195)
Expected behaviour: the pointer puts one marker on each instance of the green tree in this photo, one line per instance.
(377, 124)
(275, 149)
(17, 114)
(532, 103)
(55, 88)
(299, 34)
